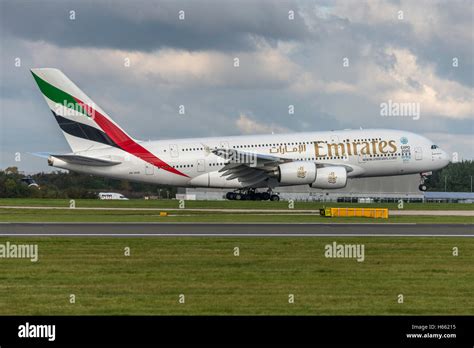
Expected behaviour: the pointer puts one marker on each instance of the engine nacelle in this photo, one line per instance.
(296, 173)
(330, 178)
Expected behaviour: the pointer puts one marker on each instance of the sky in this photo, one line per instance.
(240, 67)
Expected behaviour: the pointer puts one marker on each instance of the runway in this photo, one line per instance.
(233, 230)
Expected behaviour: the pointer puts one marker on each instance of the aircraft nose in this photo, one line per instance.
(445, 158)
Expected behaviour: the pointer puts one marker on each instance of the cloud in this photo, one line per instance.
(265, 68)
(435, 31)
(403, 80)
(148, 25)
(249, 126)
(408, 81)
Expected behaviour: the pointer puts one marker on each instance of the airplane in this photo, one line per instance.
(250, 167)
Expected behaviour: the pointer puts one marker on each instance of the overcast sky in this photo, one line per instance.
(335, 61)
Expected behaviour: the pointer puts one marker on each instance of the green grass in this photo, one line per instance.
(172, 203)
(79, 215)
(257, 282)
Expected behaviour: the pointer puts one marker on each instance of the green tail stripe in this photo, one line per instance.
(58, 96)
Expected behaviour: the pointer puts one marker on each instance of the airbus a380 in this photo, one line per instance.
(249, 166)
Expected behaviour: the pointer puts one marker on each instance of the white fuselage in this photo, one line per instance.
(368, 153)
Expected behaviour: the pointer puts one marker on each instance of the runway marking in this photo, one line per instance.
(225, 235)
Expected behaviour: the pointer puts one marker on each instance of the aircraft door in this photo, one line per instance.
(174, 150)
(149, 169)
(418, 153)
(224, 144)
(201, 165)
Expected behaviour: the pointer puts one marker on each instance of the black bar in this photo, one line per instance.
(139, 330)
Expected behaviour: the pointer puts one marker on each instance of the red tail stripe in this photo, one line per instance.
(125, 142)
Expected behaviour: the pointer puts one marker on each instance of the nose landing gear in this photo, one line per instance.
(423, 177)
(422, 187)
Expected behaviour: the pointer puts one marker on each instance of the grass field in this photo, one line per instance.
(259, 281)
(172, 203)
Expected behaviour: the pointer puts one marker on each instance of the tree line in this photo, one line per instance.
(456, 177)
(59, 184)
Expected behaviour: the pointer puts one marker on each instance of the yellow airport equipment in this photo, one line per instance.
(325, 212)
(376, 213)
(163, 213)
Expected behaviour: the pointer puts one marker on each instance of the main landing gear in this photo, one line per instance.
(252, 195)
(423, 177)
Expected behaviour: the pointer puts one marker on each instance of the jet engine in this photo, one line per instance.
(296, 173)
(330, 178)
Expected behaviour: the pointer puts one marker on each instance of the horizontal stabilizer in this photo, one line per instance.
(86, 161)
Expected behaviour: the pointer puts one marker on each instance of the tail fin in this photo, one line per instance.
(85, 125)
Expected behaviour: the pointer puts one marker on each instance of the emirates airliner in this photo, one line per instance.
(251, 167)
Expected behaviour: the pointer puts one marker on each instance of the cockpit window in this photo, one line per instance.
(434, 147)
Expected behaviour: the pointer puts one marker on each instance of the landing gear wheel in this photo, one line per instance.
(251, 195)
(274, 198)
(423, 178)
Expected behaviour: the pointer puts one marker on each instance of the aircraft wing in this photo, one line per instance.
(253, 169)
(248, 168)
